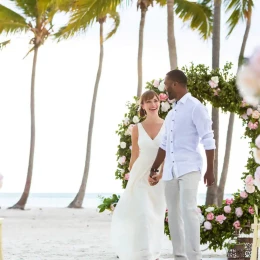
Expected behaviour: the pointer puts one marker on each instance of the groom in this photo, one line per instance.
(186, 125)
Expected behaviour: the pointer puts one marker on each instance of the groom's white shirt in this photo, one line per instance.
(186, 125)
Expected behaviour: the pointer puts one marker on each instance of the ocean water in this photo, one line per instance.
(62, 200)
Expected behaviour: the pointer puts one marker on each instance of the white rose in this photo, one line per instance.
(126, 121)
(209, 209)
(165, 106)
(250, 188)
(122, 160)
(201, 218)
(136, 119)
(207, 225)
(122, 170)
(215, 79)
(123, 145)
(161, 86)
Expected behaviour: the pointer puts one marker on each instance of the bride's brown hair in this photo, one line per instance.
(147, 95)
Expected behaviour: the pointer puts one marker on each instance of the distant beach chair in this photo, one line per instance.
(256, 239)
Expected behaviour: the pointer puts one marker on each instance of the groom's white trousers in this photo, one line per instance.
(181, 198)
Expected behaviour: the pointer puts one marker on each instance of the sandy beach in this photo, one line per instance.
(61, 233)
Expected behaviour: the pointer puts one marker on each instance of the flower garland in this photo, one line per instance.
(218, 87)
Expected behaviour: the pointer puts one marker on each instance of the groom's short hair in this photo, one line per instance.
(178, 76)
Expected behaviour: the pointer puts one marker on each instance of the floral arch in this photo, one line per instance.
(218, 87)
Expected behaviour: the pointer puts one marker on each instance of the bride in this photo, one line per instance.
(137, 228)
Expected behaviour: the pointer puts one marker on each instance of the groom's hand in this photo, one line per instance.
(154, 179)
(209, 178)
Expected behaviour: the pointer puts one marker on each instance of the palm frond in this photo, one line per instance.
(27, 7)
(116, 17)
(3, 44)
(199, 15)
(240, 10)
(11, 22)
(85, 13)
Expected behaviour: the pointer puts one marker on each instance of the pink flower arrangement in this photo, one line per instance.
(126, 177)
(249, 111)
(252, 126)
(256, 114)
(251, 210)
(220, 218)
(239, 212)
(249, 180)
(207, 225)
(163, 97)
(210, 216)
(156, 83)
(227, 209)
(229, 201)
(243, 195)
(244, 116)
(236, 224)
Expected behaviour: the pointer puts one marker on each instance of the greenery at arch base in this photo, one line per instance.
(218, 87)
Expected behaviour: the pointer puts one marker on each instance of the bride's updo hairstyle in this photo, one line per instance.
(147, 95)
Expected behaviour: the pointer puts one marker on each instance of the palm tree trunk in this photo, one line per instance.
(212, 191)
(171, 37)
(140, 52)
(224, 173)
(78, 200)
(23, 200)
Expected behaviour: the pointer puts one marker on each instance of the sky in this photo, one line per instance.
(65, 80)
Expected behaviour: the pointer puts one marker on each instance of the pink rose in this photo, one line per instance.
(166, 210)
(249, 180)
(239, 212)
(216, 91)
(249, 111)
(251, 210)
(256, 114)
(243, 195)
(213, 84)
(163, 97)
(220, 218)
(236, 224)
(229, 201)
(129, 129)
(243, 103)
(207, 225)
(166, 219)
(126, 177)
(156, 83)
(198, 210)
(257, 174)
(244, 116)
(257, 141)
(210, 216)
(227, 209)
(252, 126)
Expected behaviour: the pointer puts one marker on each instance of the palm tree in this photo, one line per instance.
(3, 44)
(240, 10)
(34, 16)
(85, 13)
(143, 5)
(198, 13)
(211, 191)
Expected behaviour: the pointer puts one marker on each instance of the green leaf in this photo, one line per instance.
(11, 22)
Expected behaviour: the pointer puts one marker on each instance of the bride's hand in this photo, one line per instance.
(155, 179)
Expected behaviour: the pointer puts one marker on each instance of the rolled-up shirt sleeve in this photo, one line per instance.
(203, 124)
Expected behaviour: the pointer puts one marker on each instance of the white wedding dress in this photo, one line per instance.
(137, 228)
